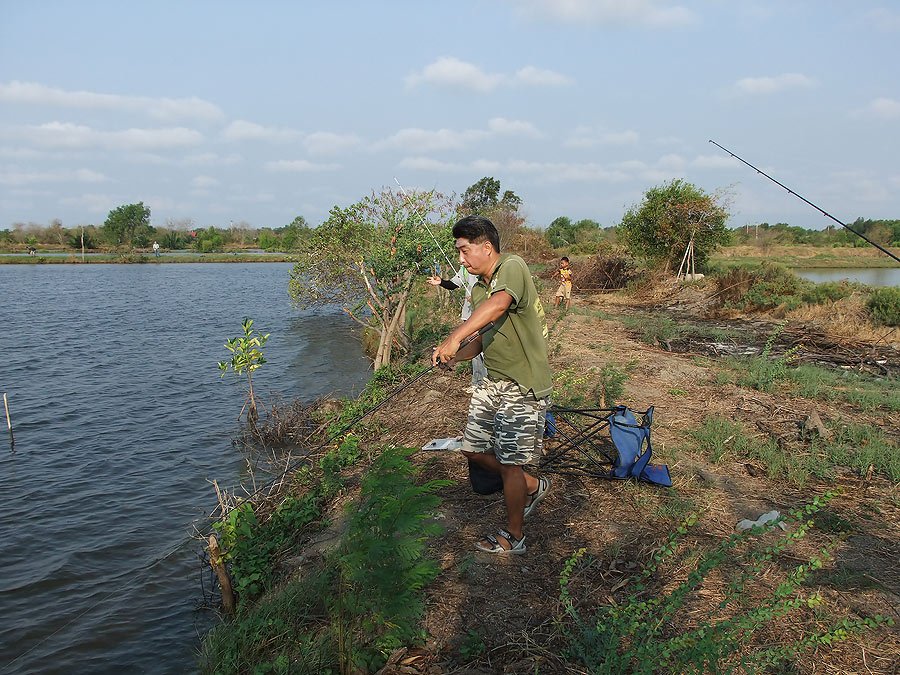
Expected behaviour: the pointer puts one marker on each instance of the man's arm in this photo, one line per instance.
(490, 310)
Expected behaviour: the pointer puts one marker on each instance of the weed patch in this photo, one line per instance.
(654, 627)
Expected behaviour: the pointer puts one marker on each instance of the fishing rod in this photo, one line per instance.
(424, 222)
(817, 208)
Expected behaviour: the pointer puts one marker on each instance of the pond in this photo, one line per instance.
(887, 276)
(121, 424)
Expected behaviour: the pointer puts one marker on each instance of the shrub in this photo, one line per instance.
(884, 304)
(829, 291)
(765, 287)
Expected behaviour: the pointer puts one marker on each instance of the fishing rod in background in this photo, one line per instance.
(817, 208)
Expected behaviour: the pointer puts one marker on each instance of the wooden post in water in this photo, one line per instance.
(82, 243)
(218, 565)
(12, 439)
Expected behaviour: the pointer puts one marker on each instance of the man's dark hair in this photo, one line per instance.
(564, 258)
(477, 229)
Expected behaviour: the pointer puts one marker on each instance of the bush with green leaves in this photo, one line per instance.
(828, 291)
(650, 628)
(670, 217)
(884, 305)
(765, 287)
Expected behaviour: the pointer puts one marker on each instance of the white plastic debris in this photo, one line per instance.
(762, 520)
(453, 443)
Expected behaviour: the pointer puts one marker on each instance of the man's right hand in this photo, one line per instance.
(434, 280)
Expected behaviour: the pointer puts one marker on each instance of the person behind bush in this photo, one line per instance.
(463, 279)
(564, 292)
(505, 427)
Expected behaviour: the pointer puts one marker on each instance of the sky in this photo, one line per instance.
(222, 112)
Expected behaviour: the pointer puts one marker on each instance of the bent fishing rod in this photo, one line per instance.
(817, 208)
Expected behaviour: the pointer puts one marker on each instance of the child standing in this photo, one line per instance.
(564, 292)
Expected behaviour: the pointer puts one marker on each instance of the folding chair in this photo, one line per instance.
(581, 448)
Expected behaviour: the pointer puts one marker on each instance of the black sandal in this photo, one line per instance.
(517, 546)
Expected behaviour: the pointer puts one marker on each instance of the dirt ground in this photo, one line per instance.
(499, 614)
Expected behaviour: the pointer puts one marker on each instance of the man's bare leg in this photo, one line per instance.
(517, 485)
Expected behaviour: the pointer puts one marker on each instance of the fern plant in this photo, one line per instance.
(382, 566)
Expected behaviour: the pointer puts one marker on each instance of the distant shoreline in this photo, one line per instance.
(55, 258)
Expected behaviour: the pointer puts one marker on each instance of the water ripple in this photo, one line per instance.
(121, 421)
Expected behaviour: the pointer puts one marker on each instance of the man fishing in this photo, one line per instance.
(505, 427)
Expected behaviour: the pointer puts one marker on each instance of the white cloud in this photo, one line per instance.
(211, 158)
(204, 182)
(17, 177)
(299, 166)
(752, 86)
(541, 77)
(661, 13)
(33, 93)
(430, 164)
(449, 71)
(714, 162)
(242, 130)
(671, 162)
(417, 140)
(328, 143)
(76, 136)
(425, 140)
(506, 127)
(94, 203)
(587, 137)
(486, 166)
(881, 108)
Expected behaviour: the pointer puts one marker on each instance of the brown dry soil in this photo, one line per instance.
(499, 614)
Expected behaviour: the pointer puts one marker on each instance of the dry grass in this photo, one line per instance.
(509, 604)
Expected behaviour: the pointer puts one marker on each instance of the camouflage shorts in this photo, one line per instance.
(505, 422)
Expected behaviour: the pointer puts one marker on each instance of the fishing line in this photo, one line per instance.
(820, 210)
(424, 222)
(148, 566)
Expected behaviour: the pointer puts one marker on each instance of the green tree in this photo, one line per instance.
(246, 358)
(561, 232)
(365, 257)
(294, 234)
(209, 240)
(126, 222)
(670, 215)
(482, 196)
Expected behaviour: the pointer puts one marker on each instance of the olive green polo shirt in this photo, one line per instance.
(516, 347)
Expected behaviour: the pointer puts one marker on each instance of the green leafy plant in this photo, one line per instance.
(612, 385)
(884, 305)
(646, 632)
(763, 371)
(472, 646)
(246, 358)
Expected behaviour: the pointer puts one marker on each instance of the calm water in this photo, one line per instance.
(121, 421)
(873, 277)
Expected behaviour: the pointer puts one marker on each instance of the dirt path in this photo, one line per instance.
(497, 615)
